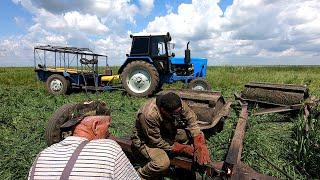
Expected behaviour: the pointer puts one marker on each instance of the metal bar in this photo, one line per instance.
(64, 61)
(277, 109)
(77, 61)
(73, 57)
(39, 56)
(235, 148)
(44, 58)
(244, 172)
(78, 77)
(73, 50)
(34, 58)
(281, 87)
(55, 59)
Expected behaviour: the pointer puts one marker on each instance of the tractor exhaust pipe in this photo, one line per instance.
(187, 56)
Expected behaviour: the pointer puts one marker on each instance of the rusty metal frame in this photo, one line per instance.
(270, 110)
(280, 94)
(232, 167)
(210, 106)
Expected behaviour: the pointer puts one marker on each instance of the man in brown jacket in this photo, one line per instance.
(166, 125)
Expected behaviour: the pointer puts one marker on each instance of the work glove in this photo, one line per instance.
(183, 149)
(201, 153)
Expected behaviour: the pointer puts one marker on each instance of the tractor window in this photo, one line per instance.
(170, 48)
(158, 47)
(161, 49)
(140, 46)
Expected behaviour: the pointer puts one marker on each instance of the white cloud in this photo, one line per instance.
(248, 29)
(115, 47)
(85, 23)
(75, 23)
(107, 9)
(18, 50)
(71, 21)
(146, 6)
(248, 32)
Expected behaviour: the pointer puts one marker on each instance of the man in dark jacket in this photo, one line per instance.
(166, 125)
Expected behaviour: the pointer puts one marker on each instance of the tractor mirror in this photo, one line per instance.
(168, 37)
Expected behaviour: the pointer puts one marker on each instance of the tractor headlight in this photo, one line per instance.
(191, 68)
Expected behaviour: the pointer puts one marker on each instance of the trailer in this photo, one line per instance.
(67, 68)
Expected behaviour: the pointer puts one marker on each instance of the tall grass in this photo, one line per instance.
(230, 79)
(25, 107)
(306, 147)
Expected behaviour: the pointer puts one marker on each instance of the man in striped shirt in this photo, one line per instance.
(99, 158)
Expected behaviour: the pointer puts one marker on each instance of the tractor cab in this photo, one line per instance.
(157, 47)
(150, 45)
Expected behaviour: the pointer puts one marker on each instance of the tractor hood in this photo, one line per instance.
(195, 61)
(199, 64)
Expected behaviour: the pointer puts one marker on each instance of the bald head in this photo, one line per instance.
(93, 127)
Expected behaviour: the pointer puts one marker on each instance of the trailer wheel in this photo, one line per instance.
(53, 131)
(57, 84)
(199, 84)
(140, 78)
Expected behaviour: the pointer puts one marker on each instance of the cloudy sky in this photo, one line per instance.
(227, 32)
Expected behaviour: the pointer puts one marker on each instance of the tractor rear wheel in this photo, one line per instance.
(140, 78)
(199, 84)
(53, 131)
(57, 84)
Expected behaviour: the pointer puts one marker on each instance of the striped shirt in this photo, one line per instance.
(99, 159)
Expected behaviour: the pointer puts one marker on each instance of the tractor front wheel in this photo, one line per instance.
(199, 84)
(140, 78)
(57, 84)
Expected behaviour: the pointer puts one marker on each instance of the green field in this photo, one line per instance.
(25, 107)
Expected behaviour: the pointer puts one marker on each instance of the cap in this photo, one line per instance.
(82, 110)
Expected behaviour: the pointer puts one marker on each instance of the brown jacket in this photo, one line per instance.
(155, 131)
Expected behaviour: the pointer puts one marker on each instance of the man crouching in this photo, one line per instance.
(165, 125)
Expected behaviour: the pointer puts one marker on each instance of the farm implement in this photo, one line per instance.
(231, 168)
(275, 98)
(150, 64)
(212, 111)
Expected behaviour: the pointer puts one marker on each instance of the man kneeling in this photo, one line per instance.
(166, 125)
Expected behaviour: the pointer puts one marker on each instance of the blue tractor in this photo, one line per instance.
(151, 63)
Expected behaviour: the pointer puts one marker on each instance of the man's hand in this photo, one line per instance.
(201, 154)
(183, 149)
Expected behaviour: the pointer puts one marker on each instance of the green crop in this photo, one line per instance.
(26, 106)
